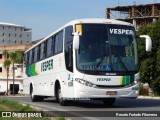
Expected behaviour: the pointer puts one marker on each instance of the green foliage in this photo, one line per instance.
(150, 61)
(7, 63)
(19, 55)
(156, 86)
(15, 106)
(13, 56)
(61, 118)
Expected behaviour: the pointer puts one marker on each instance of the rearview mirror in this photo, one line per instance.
(76, 40)
(148, 42)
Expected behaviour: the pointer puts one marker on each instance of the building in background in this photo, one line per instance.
(138, 15)
(11, 34)
(12, 38)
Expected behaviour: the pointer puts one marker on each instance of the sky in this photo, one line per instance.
(45, 16)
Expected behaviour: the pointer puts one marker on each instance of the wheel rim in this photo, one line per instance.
(59, 95)
(32, 94)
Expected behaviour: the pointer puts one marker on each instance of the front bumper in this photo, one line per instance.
(81, 91)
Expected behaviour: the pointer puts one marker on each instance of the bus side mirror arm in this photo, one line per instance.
(148, 42)
(76, 40)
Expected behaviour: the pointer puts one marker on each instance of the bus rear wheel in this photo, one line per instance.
(60, 99)
(36, 98)
(109, 101)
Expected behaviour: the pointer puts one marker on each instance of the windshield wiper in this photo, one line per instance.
(122, 63)
(100, 61)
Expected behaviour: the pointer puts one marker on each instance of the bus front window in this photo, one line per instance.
(107, 48)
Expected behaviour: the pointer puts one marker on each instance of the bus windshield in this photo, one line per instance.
(107, 48)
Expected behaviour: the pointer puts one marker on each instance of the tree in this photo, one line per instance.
(13, 58)
(6, 65)
(149, 62)
(19, 60)
(5, 54)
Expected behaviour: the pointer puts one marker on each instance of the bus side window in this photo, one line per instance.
(35, 54)
(48, 47)
(59, 42)
(42, 51)
(45, 50)
(38, 52)
(30, 56)
(69, 48)
(70, 54)
(26, 58)
(53, 46)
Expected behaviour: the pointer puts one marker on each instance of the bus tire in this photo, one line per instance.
(61, 101)
(36, 98)
(109, 101)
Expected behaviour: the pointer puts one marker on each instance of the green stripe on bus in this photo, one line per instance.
(127, 80)
(30, 70)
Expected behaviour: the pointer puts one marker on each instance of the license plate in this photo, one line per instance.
(111, 93)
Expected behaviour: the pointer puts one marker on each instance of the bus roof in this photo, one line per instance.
(88, 20)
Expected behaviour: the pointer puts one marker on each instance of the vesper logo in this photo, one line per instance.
(47, 65)
(103, 79)
(121, 31)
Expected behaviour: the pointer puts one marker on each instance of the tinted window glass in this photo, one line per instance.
(38, 52)
(68, 34)
(53, 46)
(42, 51)
(68, 48)
(59, 42)
(33, 51)
(49, 45)
(30, 56)
(26, 58)
(35, 54)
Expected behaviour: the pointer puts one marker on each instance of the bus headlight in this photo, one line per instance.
(84, 82)
(133, 83)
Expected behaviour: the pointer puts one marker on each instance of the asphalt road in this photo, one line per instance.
(97, 107)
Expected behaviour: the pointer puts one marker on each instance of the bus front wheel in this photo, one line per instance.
(60, 99)
(109, 101)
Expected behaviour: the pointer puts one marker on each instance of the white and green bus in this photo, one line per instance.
(85, 59)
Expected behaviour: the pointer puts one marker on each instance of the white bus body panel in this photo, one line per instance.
(44, 81)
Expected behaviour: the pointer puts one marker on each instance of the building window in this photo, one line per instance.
(0, 56)
(0, 69)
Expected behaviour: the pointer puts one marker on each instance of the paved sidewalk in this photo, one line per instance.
(149, 97)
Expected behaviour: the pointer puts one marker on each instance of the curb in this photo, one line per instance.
(149, 97)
